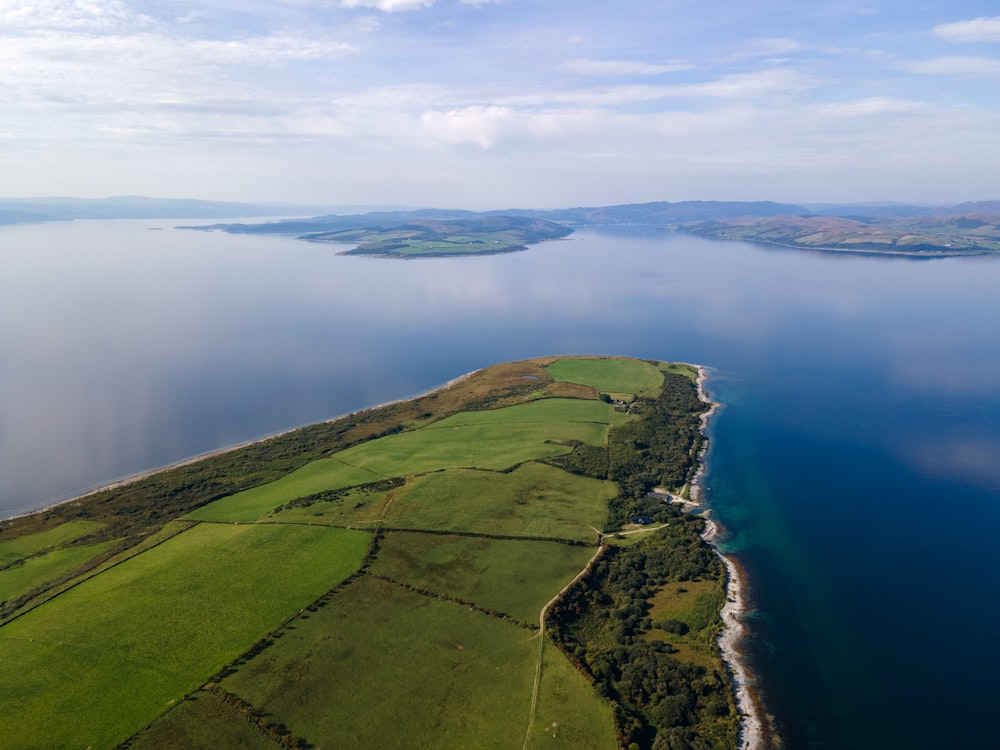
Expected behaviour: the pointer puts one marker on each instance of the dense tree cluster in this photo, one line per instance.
(602, 625)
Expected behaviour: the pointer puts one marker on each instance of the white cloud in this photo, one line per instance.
(619, 67)
(871, 107)
(388, 6)
(956, 66)
(477, 125)
(77, 15)
(976, 30)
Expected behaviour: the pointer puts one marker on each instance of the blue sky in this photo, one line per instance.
(499, 103)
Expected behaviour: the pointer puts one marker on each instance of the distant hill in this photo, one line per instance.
(656, 214)
(925, 236)
(25, 217)
(961, 229)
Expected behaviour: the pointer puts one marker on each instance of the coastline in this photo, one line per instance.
(132, 478)
(752, 730)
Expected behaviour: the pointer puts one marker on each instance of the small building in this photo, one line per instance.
(641, 520)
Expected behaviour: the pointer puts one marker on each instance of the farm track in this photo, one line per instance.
(541, 642)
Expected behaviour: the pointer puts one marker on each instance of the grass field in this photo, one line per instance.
(532, 500)
(249, 506)
(696, 604)
(514, 577)
(495, 439)
(37, 570)
(202, 721)
(111, 654)
(358, 507)
(612, 376)
(32, 544)
(569, 713)
(383, 667)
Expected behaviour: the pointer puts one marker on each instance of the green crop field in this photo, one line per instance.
(111, 654)
(532, 500)
(613, 376)
(513, 577)
(398, 669)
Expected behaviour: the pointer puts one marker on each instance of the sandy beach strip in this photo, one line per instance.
(752, 732)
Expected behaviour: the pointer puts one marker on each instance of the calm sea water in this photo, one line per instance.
(856, 464)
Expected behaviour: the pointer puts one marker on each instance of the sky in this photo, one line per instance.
(489, 104)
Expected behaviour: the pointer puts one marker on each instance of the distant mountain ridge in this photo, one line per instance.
(964, 228)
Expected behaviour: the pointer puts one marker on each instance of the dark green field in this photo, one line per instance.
(377, 581)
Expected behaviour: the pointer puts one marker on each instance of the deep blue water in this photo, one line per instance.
(855, 465)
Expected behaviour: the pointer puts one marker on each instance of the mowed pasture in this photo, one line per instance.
(516, 578)
(109, 655)
(494, 439)
(612, 376)
(532, 500)
(381, 666)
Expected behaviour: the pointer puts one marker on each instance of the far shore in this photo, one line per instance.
(752, 732)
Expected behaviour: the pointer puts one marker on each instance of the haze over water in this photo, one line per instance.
(856, 464)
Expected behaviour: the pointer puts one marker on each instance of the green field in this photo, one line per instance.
(495, 439)
(569, 713)
(250, 505)
(533, 500)
(32, 544)
(203, 720)
(612, 376)
(513, 577)
(111, 654)
(401, 670)
(35, 571)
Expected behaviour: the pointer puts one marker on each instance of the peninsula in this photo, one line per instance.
(918, 231)
(487, 235)
(495, 559)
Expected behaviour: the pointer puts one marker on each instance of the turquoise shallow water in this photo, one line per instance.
(855, 465)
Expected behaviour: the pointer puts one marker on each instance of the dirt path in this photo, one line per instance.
(541, 640)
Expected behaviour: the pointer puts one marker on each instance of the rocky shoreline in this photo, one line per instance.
(753, 732)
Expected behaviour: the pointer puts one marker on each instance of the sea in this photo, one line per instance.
(854, 465)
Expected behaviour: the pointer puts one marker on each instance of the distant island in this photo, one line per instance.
(922, 236)
(486, 235)
(918, 231)
(884, 229)
(501, 562)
